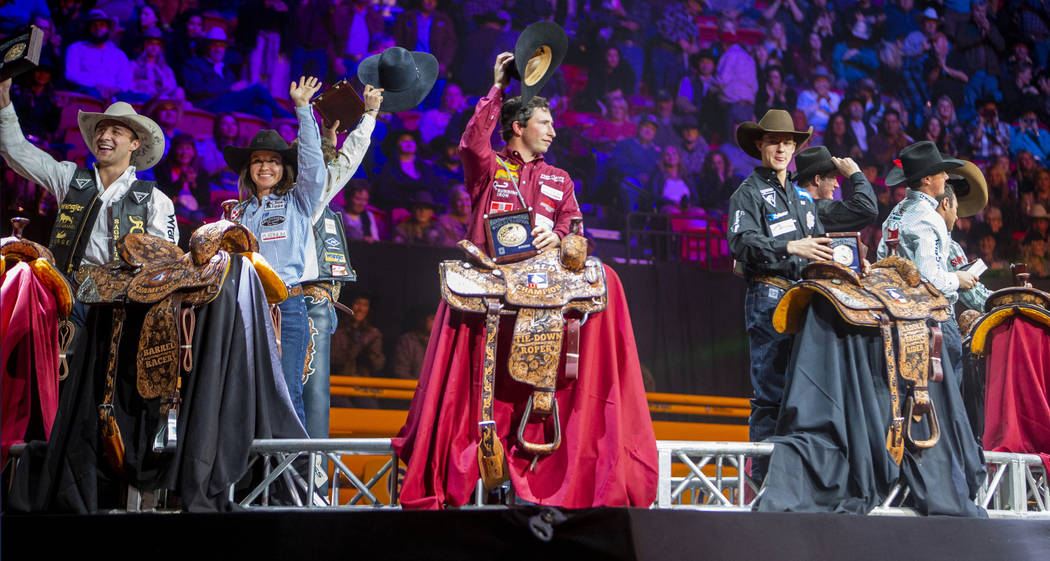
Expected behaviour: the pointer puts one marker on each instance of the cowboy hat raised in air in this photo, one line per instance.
(405, 76)
(538, 53)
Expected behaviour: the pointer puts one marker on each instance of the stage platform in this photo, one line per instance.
(517, 533)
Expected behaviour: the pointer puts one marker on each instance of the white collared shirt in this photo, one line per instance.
(39, 167)
(924, 240)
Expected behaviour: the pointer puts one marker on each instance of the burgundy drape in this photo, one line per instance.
(608, 451)
(29, 355)
(1017, 394)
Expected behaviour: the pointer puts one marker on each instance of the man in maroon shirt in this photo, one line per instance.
(609, 454)
(517, 176)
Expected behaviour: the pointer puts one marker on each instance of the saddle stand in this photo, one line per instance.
(550, 294)
(895, 299)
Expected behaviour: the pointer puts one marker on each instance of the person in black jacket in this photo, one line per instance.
(774, 232)
(818, 173)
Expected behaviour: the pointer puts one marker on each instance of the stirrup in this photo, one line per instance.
(541, 449)
(935, 427)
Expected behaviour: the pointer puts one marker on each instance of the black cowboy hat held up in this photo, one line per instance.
(537, 55)
(405, 76)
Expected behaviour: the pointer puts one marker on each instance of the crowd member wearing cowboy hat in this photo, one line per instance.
(420, 228)
(97, 67)
(276, 205)
(323, 275)
(818, 174)
(923, 234)
(124, 143)
(774, 232)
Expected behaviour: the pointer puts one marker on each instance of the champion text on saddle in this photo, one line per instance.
(896, 300)
(551, 295)
(152, 271)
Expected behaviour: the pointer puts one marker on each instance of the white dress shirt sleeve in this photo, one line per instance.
(162, 218)
(31, 162)
(346, 162)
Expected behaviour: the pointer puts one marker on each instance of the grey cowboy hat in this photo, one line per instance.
(267, 139)
(151, 138)
(405, 76)
(775, 120)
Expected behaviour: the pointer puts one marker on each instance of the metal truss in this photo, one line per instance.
(709, 478)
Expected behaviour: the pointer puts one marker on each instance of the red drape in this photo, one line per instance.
(608, 451)
(1017, 394)
(29, 355)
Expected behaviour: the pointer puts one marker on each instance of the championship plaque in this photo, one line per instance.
(20, 52)
(510, 235)
(341, 102)
(847, 249)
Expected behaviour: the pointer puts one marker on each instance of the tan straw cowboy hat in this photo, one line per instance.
(151, 138)
(775, 120)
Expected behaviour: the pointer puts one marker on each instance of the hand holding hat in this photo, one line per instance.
(406, 77)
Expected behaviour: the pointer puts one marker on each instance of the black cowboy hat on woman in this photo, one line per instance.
(279, 188)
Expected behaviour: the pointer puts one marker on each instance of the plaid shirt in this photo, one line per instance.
(976, 296)
(924, 240)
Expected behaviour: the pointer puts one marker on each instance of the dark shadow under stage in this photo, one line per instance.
(514, 534)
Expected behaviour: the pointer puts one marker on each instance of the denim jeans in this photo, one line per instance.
(293, 349)
(770, 352)
(316, 388)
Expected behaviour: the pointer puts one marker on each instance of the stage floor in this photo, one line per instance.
(500, 533)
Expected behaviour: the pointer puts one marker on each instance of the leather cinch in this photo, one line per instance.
(897, 301)
(550, 294)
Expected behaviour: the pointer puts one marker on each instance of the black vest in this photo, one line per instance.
(79, 210)
(333, 256)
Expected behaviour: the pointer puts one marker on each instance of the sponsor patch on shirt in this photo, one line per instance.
(339, 271)
(329, 226)
(783, 227)
(274, 204)
(273, 235)
(333, 257)
(551, 192)
(552, 178)
(775, 216)
(736, 221)
(331, 242)
(547, 207)
(770, 196)
(803, 194)
(810, 220)
(273, 220)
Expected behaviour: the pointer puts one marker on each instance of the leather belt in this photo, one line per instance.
(295, 290)
(779, 282)
(320, 291)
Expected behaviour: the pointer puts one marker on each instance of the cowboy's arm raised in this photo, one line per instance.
(351, 152)
(310, 181)
(475, 147)
(27, 160)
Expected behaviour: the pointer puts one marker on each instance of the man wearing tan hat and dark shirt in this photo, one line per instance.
(774, 231)
(124, 143)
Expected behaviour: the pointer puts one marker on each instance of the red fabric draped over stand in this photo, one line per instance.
(29, 355)
(608, 451)
(1017, 395)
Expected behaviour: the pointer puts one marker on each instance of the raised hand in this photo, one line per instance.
(330, 132)
(501, 72)
(302, 91)
(373, 98)
(846, 166)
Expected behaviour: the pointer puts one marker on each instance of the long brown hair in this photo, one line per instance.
(247, 189)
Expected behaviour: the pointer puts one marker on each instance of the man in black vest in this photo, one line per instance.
(96, 206)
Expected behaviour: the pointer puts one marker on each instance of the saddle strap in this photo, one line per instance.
(492, 460)
(572, 348)
(187, 323)
(66, 330)
(895, 436)
(914, 365)
(936, 370)
(112, 443)
(275, 317)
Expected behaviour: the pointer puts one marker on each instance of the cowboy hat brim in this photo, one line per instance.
(813, 170)
(149, 133)
(237, 157)
(750, 132)
(896, 175)
(538, 53)
(405, 98)
(973, 195)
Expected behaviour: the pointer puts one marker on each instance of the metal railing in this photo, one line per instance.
(653, 237)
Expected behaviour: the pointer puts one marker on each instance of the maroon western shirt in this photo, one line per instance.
(545, 188)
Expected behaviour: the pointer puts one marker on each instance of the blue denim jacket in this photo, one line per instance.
(282, 223)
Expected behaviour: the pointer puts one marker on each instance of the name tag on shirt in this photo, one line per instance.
(273, 235)
(329, 226)
(274, 204)
(550, 192)
(783, 227)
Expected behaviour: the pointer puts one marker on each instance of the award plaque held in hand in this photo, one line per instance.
(20, 52)
(341, 102)
(848, 249)
(510, 235)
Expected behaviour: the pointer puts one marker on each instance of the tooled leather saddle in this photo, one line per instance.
(551, 294)
(895, 299)
(151, 271)
(16, 249)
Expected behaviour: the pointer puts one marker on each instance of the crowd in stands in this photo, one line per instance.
(645, 103)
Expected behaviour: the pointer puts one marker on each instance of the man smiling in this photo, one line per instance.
(124, 143)
(772, 227)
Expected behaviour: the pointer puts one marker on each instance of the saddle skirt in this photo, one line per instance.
(1003, 304)
(41, 261)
